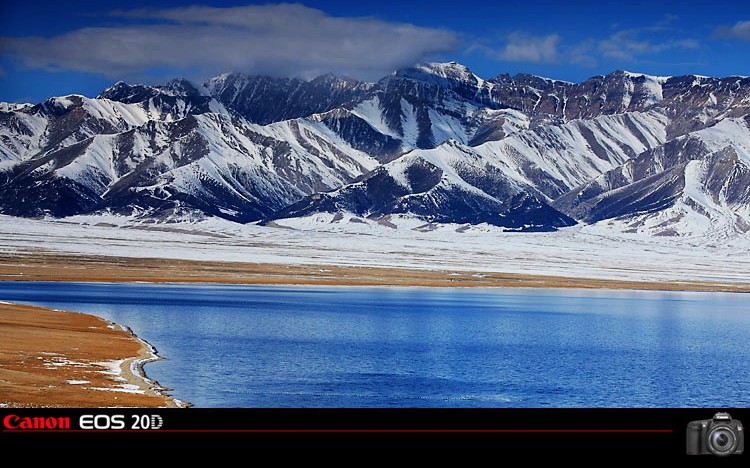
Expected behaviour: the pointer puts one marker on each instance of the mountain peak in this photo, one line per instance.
(537, 81)
(450, 73)
(636, 75)
(450, 70)
(181, 87)
(335, 81)
(444, 66)
(127, 93)
(14, 106)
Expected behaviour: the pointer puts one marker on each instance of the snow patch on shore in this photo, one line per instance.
(59, 361)
(124, 388)
(111, 367)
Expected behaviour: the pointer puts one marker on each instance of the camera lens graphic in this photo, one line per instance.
(722, 441)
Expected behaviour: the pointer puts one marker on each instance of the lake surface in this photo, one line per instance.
(261, 346)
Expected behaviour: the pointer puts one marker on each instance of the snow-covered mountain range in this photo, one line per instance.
(657, 155)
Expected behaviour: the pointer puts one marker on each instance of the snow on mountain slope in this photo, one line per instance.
(499, 123)
(430, 142)
(447, 184)
(58, 122)
(173, 101)
(13, 106)
(95, 166)
(498, 182)
(210, 162)
(697, 184)
(556, 158)
(728, 132)
(423, 106)
(453, 73)
(652, 88)
(370, 112)
(20, 136)
(696, 211)
(338, 157)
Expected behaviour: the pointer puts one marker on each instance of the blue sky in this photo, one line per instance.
(53, 48)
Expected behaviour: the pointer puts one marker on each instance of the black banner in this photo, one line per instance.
(559, 432)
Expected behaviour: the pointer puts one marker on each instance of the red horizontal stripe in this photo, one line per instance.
(363, 431)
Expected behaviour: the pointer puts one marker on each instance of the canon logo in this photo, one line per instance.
(15, 422)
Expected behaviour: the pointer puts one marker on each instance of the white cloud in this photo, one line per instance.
(740, 30)
(628, 44)
(521, 47)
(277, 39)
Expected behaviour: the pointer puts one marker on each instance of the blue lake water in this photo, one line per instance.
(260, 346)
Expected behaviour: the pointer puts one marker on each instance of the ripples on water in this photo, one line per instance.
(259, 346)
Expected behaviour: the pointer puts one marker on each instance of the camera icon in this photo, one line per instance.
(720, 436)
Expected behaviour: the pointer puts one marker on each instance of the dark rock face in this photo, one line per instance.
(694, 103)
(614, 93)
(263, 100)
(361, 136)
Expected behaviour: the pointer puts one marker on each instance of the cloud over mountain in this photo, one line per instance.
(739, 30)
(525, 48)
(277, 39)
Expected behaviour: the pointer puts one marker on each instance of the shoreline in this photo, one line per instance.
(46, 266)
(54, 358)
(95, 377)
(136, 367)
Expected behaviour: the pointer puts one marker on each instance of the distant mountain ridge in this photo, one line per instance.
(660, 155)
